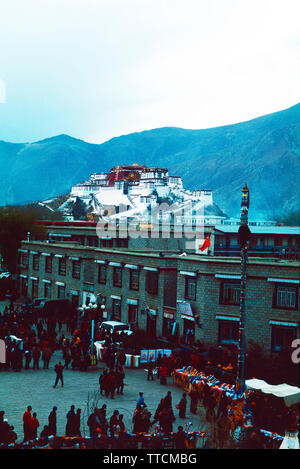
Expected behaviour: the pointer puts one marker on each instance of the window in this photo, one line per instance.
(25, 259)
(228, 332)
(190, 288)
(35, 289)
(76, 269)
(48, 265)
(61, 292)
(47, 290)
(35, 262)
(132, 313)
(152, 282)
(282, 337)
(102, 272)
(116, 309)
(285, 297)
(230, 294)
(62, 266)
(89, 287)
(134, 279)
(24, 286)
(117, 277)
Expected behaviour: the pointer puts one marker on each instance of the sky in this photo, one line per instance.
(98, 69)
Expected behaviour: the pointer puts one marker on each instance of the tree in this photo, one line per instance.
(15, 224)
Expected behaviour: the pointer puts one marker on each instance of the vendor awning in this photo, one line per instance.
(22, 250)
(74, 258)
(151, 269)
(115, 264)
(47, 254)
(46, 281)
(58, 255)
(185, 310)
(61, 284)
(99, 261)
(74, 292)
(290, 394)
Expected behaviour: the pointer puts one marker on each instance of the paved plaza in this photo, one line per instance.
(35, 388)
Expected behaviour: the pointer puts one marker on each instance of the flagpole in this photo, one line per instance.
(244, 235)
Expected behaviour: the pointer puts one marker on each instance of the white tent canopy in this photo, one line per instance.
(290, 394)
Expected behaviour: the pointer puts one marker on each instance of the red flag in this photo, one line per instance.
(206, 244)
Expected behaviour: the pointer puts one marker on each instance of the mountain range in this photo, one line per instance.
(262, 152)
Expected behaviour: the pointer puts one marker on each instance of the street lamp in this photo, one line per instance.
(244, 235)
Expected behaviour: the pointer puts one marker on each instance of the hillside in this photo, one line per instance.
(263, 152)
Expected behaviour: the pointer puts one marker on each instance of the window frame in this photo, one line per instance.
(188, 282)
(224, 288)
(117, 277)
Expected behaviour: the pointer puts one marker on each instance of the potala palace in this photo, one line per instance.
(131, 191)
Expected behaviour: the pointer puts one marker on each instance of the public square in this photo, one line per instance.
(81, 388)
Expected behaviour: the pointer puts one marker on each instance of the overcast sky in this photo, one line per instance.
(97, 69)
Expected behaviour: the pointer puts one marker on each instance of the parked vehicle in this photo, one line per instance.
(114, 326)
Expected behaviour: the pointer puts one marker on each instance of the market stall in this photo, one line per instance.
(132, 361)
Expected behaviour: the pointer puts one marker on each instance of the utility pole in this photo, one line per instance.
(244, 235)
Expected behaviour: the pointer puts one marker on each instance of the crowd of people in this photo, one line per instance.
(100, 425)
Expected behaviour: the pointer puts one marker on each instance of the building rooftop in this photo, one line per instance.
(276, 230)
(165, 254)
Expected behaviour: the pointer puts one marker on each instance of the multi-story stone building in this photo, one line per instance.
(189, 296)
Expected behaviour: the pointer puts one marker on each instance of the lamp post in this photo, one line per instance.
(244, 235)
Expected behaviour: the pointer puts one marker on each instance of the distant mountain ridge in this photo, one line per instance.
(264, 152)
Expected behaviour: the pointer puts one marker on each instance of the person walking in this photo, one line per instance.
(33, 426)
(28, 357)
(70, 421)
(151, 367)
(182, 406)
(59, 374)
(141, 400)
(113, 423)
(26, 423)
(93, 423)
(36, 353)
(120, 375)
(46, 357)
(163, 373)
(103, 381)
(77, 417)
(52, 421)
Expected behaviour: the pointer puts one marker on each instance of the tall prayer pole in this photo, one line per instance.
(244, 235)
